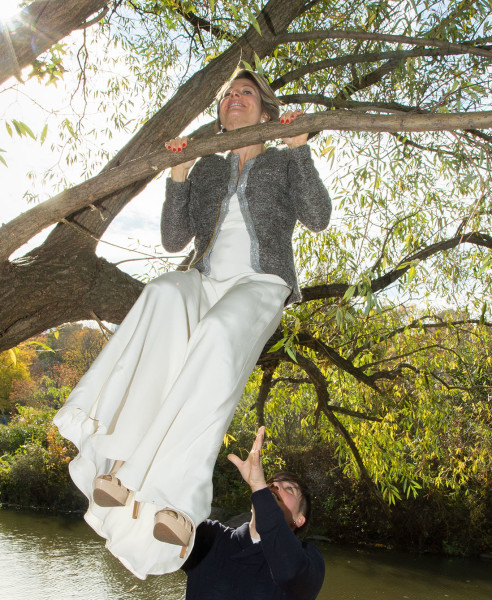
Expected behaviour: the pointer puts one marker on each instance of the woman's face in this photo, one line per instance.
(241, 105)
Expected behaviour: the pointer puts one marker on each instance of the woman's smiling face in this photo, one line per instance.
(241, 105)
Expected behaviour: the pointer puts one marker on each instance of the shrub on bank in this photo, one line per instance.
(34, 473)
(438, 520)
(33, 465)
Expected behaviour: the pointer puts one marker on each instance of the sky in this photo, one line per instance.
(35, 104)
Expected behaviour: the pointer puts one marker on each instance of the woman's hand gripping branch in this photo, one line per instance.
(299, 140)
(179, 172)
(251, 469)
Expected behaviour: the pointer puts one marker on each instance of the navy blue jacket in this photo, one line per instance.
(225, 564)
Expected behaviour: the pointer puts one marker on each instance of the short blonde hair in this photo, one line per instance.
(270, 104)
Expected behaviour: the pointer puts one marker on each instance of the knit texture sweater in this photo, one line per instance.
(225, 564)
(275, 189)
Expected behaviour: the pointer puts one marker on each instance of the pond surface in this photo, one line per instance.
(45, 557)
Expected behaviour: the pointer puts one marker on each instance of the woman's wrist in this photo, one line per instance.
(292, 146)
(179, 174)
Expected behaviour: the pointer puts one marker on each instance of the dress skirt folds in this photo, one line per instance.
(160, 397)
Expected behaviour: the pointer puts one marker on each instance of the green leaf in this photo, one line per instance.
(40, 345)
(23, 129)
(487, 263)
(277, 346)
(12, 356)
(349, 293)
(258, 65)
(482, 316)
(43, 134)
(247, 65)
(252, 20)
(291, 351)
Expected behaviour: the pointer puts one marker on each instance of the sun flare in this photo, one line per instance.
(9, 9)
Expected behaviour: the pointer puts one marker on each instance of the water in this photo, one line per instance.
(55, 558)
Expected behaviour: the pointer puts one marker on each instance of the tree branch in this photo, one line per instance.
(416, 324)
(333, 34)
(37, 27)
(319, 292)
(266, 385)
(200, 23)
(332, 407)
(352, 59)
(345, 365)
(18, 231)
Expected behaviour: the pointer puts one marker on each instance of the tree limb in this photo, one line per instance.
(266, 385)
(37, 27)
(332, 407)
(352, 59)
(200, 23)
(22, 228)
(333, 34)
(319, 292)
(416, 324)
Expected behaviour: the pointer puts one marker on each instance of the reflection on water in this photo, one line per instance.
(54, 558)
(364, 575)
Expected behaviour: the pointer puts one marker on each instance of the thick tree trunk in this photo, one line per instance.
(37, 28)
(49, 287)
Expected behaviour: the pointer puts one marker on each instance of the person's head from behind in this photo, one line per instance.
(294, 498)
(246, 99)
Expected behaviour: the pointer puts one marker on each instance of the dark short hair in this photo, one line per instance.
(305, 505)
(270, 104)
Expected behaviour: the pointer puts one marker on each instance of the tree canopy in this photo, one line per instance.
(395, 317)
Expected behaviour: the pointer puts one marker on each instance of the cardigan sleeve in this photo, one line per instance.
(176, 223)
(307, 191)
(296, 567)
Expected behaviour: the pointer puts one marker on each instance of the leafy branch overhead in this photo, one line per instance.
(395, 312)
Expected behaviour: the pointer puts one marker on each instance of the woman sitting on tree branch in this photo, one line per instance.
(154, 408)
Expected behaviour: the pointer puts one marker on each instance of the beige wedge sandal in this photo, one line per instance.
(109, 491)
(172, 527)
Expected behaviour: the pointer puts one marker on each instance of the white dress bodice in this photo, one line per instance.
(231, 254)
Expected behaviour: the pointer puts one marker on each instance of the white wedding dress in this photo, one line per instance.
(163, 391)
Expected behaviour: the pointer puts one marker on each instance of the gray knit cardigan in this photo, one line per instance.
(275, 189)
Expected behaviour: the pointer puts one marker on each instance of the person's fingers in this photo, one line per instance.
(289, 115)
(258, 443)
(235, 460)
(177, 144)
(261, 437)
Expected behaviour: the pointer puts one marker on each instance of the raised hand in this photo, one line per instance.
(251, 469)
(179, 172)
(299, 140)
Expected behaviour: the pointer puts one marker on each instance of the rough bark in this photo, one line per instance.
(37, 28)
(131, 173)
